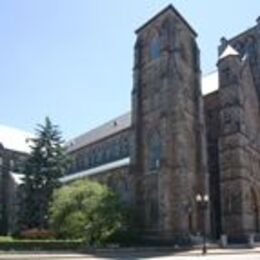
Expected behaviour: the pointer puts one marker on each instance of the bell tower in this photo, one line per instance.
(168, 160)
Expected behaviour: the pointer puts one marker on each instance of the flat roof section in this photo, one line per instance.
(96, 170)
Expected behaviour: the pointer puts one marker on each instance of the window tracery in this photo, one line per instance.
(155, 48)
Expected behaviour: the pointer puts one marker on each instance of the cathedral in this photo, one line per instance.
(187, 156)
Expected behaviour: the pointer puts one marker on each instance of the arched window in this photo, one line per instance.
(155, 48)
(155, 150)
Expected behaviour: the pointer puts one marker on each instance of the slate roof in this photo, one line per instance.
(15, 139)
(114, 126)
(209, 84)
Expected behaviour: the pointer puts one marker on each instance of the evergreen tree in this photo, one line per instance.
(46, 164)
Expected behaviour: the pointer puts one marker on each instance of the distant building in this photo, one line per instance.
(14, 149)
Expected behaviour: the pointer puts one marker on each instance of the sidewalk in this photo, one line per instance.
(235, 250)
(231, 250)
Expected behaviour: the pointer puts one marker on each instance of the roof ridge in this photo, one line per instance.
(168, 7)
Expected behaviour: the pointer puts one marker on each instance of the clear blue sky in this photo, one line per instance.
(72, 59)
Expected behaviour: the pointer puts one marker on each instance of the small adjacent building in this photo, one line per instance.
(14, 149)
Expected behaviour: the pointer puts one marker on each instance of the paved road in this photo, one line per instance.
(238, 254)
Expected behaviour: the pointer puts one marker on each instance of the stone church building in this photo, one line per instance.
(186, 135)
(178, 142)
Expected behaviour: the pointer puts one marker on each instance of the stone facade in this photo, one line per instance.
(176, 143)
(239, 135)
(181, 143)
(11, 163)
(168, 161)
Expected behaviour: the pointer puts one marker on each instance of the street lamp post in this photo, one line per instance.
(202, 201)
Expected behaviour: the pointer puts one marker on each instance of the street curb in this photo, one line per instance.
(136, 251)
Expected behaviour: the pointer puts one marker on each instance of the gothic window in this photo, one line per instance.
(155, 48)
(153, 212)
(73, 165)
(104, 156)
(1, 161)
(125, 147)
(154, 157)
(95, 158)
(91, 159)
(251, 49)
(226, 74)
(107, 152)
(240, 47)
(79, 162)
(86, 161)
(117, 149)
(111, 148)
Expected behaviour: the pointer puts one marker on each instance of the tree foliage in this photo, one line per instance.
(45, 165)
(86, 209)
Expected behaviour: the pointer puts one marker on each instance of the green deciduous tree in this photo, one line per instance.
(86, 209)
(45, 165)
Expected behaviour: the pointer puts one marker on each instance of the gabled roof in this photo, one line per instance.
(15, 139)
(171, 8)
(112, 127)
(209, 84)
(237, 36)
(228, 51)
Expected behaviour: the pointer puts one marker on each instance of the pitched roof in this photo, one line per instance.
(210, 84)
(228, 51)
(169, 7)
(113, 126)
(15, 139)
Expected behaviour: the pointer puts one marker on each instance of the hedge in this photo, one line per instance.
(42, 245)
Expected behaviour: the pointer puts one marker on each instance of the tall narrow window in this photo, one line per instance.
(155, 48)
(155, 148)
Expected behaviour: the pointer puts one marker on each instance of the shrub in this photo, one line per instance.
(38, 234)
(86, 209)
(5, 238)
(41, 245)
